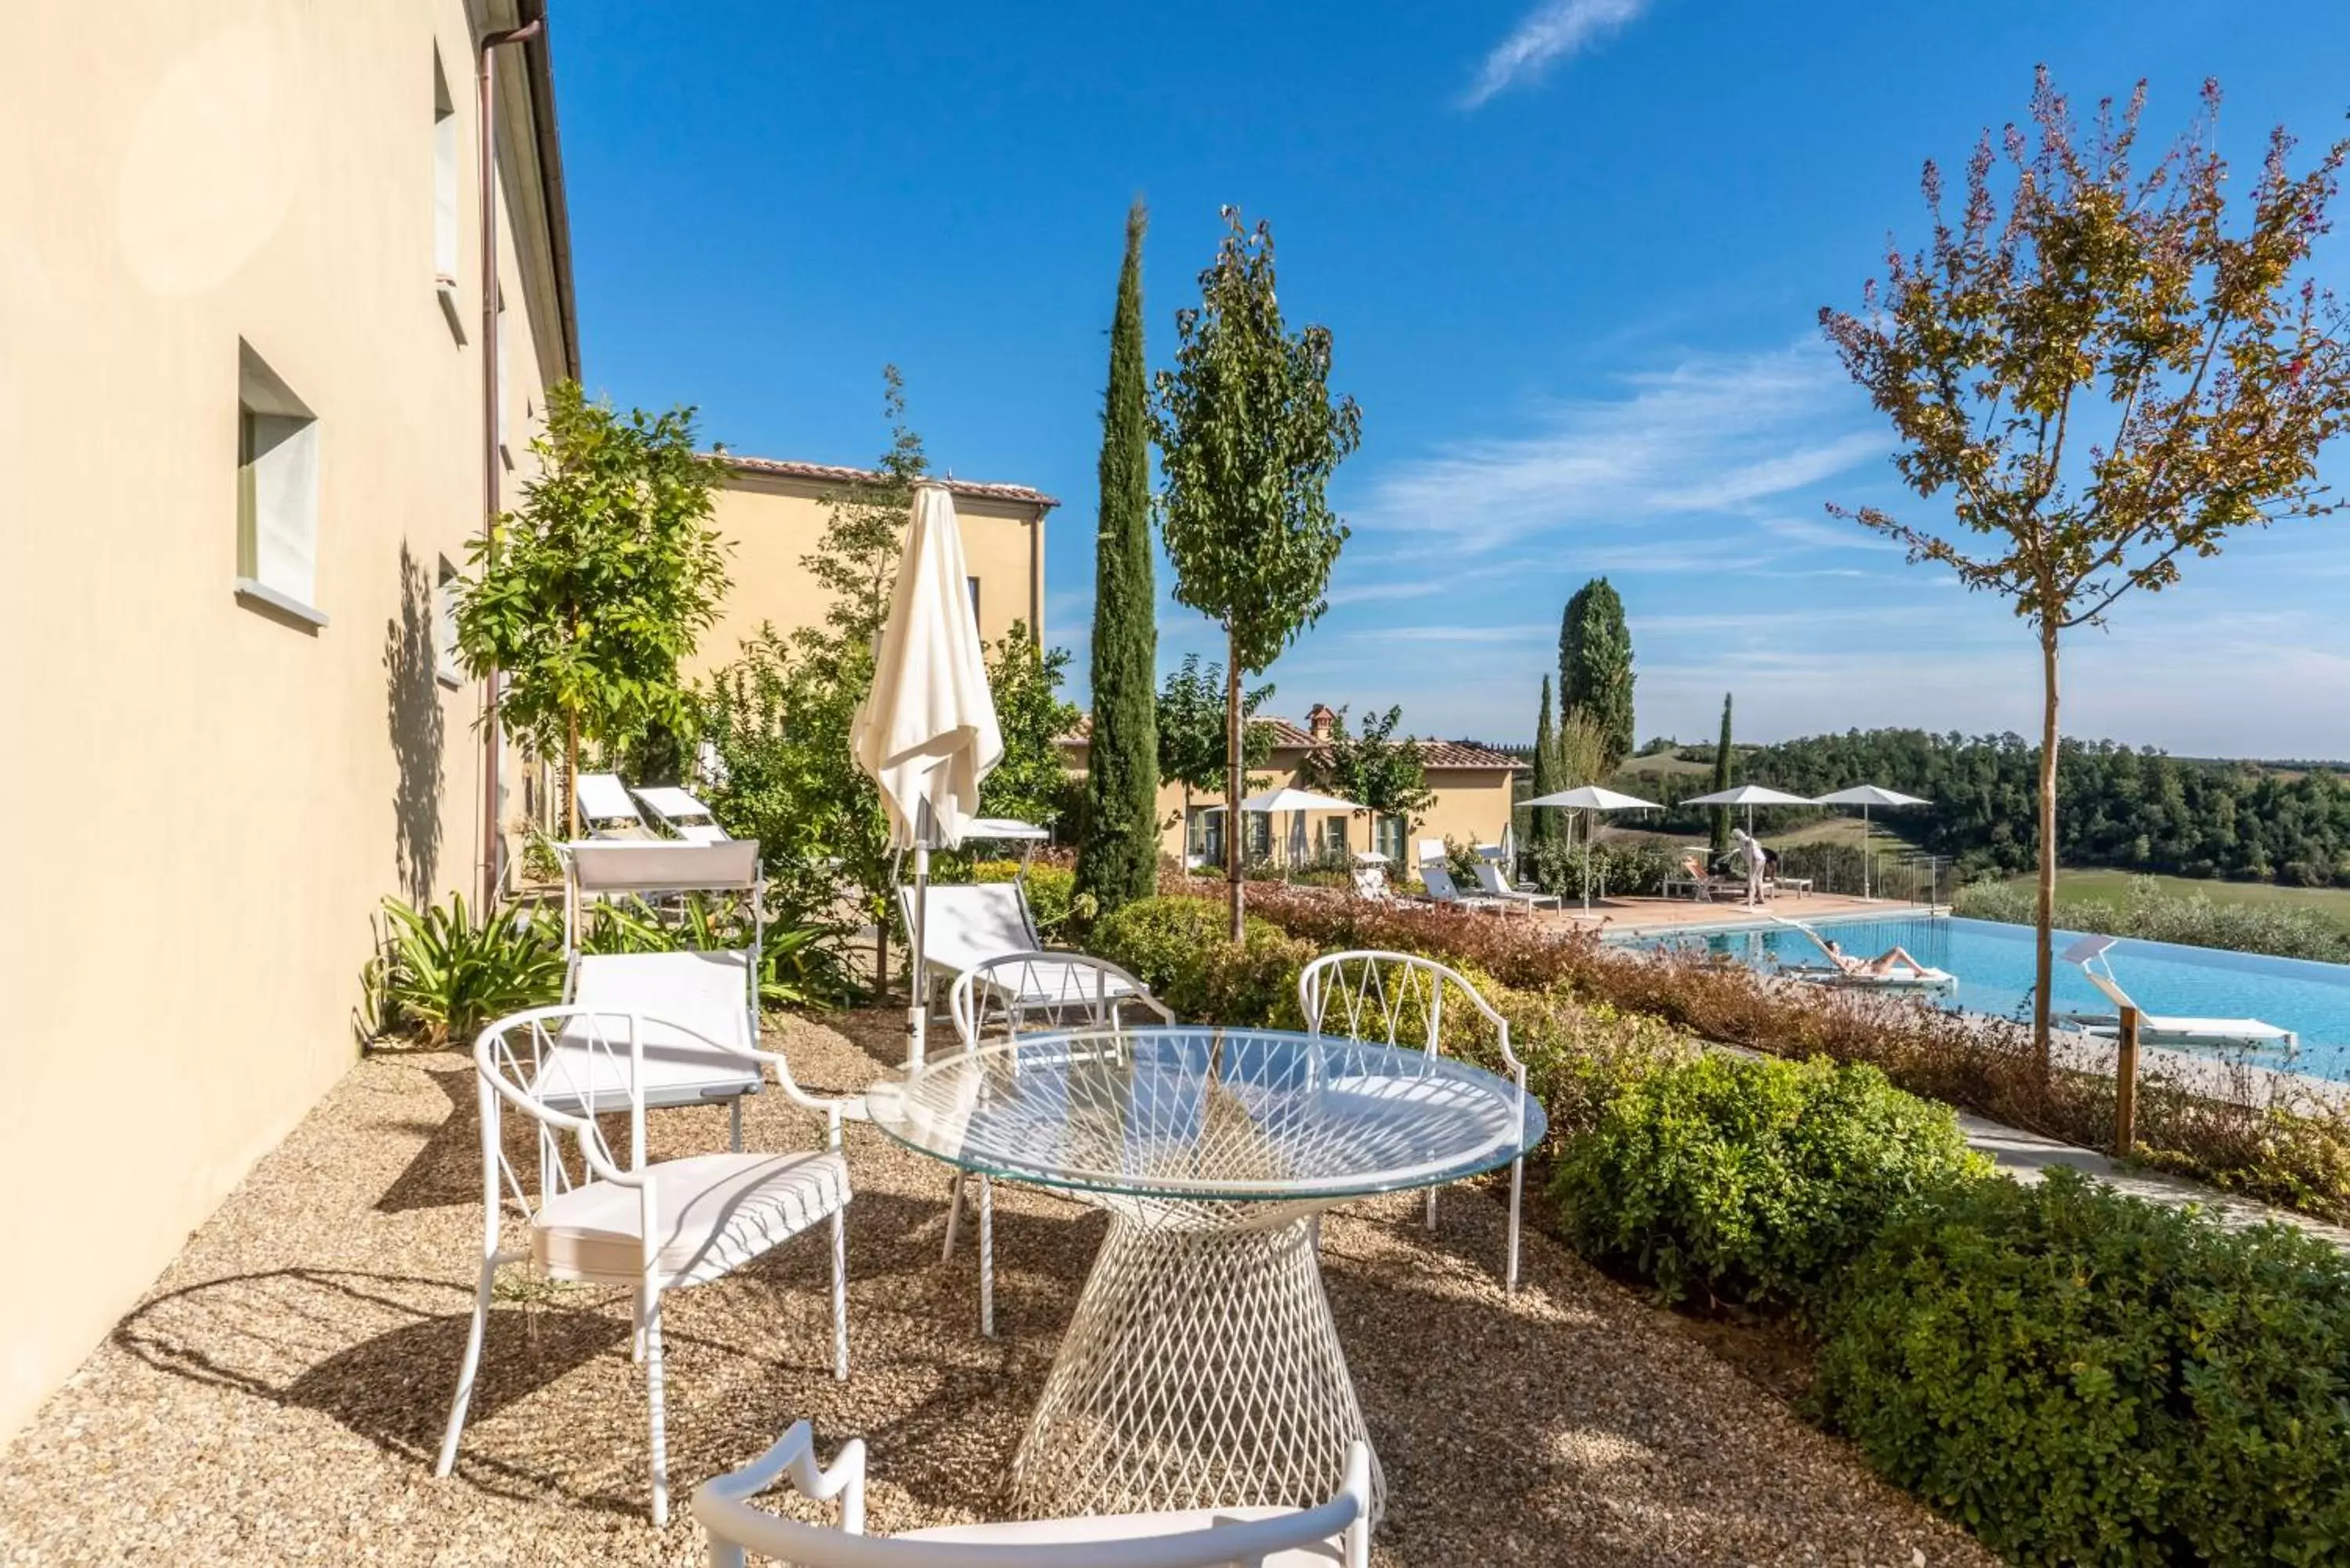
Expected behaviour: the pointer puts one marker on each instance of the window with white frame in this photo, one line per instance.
(1203, 836)
(444, 178)
(1334, 839)
(1388, 835)
(277, 493)
(444, 199)
(445, 661)
(973, 584)
(1256, 836)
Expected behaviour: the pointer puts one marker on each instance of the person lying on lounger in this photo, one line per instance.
(1893, 958)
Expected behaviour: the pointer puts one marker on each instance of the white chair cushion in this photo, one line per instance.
(1121, 1526)
(715, 1212)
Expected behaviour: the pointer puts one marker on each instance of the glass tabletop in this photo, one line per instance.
(1194, 1112)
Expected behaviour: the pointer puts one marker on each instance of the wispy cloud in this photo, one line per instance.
(1716, 434)
(1553, 31)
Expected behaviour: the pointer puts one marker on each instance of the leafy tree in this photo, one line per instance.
(1248, 438)
(1028, 784)
(1542, 829)
(1383, 776)
(2102, 381)
(1191, 727)
(1594, 667)
(1719, 827)
(589, 596)
(1118, 858)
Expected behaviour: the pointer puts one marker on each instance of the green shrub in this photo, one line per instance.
(1178, 948)
(442, 975)
(1752, 1179)
(2084, 1377)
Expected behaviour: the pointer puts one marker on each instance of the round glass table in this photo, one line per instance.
(1201, 1367)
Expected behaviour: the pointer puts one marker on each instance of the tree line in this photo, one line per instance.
(2117, 805)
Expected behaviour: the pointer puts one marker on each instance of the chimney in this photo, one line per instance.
(1319, 722)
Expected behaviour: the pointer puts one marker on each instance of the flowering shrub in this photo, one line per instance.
(2257, 1134)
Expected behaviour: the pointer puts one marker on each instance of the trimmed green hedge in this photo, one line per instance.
(2081, 1376)
(1752, 1179)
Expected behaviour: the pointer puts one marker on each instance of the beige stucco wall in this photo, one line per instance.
(206, 801)
(772, 524)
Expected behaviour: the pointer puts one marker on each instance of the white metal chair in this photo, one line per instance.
(1398, 999)
(1332, 1534)
(1012, 994)
(684, 996)
(683, 813)
(605, 808)
(651, 1227)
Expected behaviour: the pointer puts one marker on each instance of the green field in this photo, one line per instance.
(2113, 887)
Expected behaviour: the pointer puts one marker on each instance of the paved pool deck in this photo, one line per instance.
(1636, 917)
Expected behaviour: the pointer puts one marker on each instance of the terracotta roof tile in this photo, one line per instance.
(841, 474)
(1287, 736)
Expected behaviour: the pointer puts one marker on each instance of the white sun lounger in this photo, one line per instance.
(682, 815)
(1923, 978)
(605, 809)
(1442, 889)
(2161, 1028)
(1497, 886)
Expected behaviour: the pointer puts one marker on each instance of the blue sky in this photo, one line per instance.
(1572, 253)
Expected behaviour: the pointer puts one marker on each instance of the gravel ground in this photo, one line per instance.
(278, 1395)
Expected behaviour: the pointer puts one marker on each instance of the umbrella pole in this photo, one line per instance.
(918, 987)
(1864, 853)
(1586, 864)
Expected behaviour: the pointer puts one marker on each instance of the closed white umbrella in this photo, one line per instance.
(1865, 796)
(1591, 797)
(927, 733)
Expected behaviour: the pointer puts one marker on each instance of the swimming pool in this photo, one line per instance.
(1993, 961)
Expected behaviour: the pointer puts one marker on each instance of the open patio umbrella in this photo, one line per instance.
(1301, 801)
(1750, 796)
(1592, 798)
(1865, 796)
(927, 733)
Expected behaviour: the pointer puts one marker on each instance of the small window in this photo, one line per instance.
(1256, 837)
(445, 662)
(444, 198)
(1390, 832)
(1333, 837)
(277, 493)
(973, 583)
(1203, 836)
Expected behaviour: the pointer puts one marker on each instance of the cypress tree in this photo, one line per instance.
(1541, 830)
(1117, 860)
(1722, 779)
(1594, 667)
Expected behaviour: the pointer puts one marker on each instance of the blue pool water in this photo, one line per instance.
(1993, 961)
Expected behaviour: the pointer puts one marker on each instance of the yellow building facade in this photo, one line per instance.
(241, 366)
(1471, 785)
(773, 515)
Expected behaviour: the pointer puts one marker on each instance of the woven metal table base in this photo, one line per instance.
(1200, 1370)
